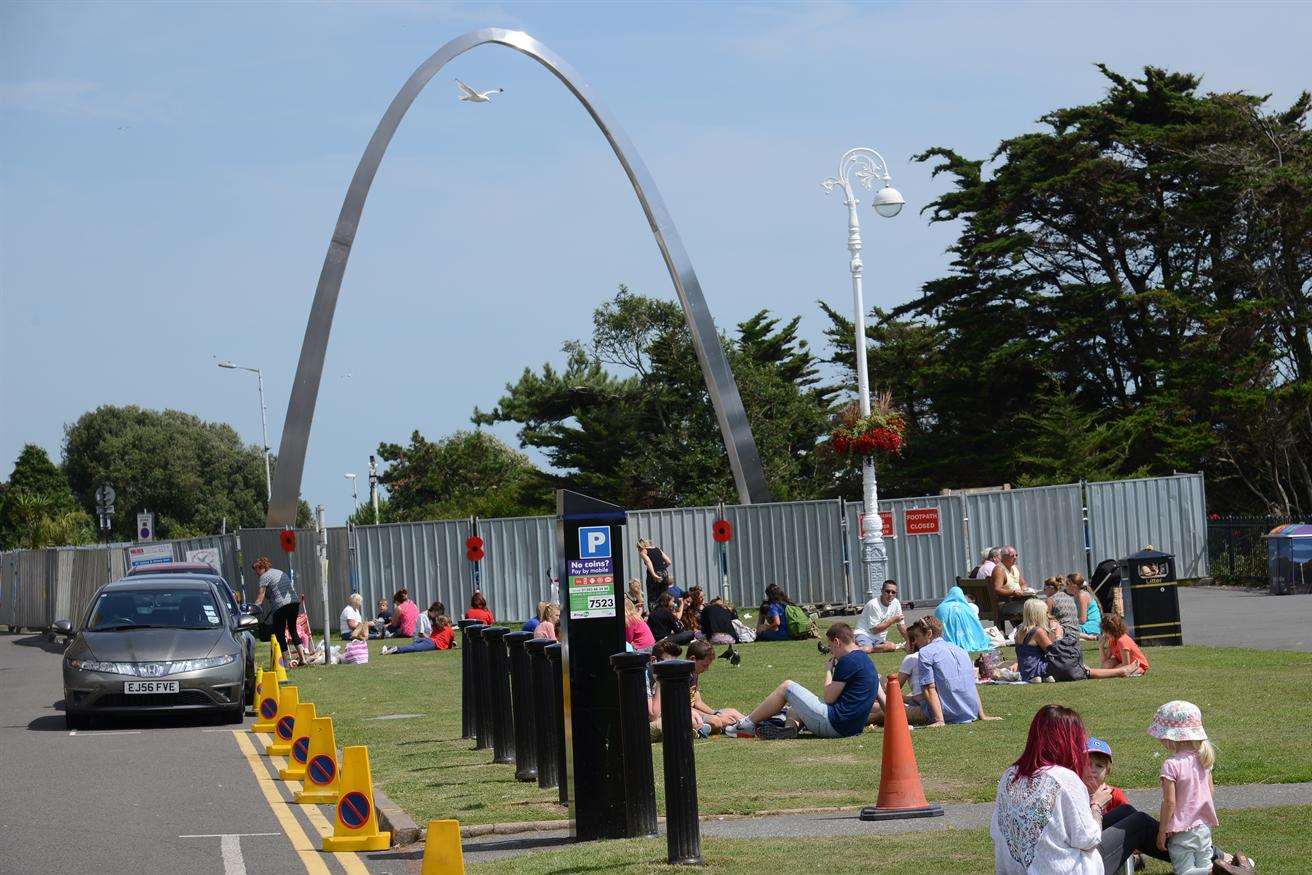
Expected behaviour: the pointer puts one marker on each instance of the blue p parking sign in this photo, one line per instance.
(594, 542)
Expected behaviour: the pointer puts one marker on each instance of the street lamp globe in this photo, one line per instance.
(888, 202)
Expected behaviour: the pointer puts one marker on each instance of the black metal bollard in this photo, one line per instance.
(503, 720)
(635, 735)
(482, 681)
(521, 695)
(555, 654)
(544, 714)
(467, 706)
(683, 832)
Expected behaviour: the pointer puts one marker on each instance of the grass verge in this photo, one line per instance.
(1255, 706)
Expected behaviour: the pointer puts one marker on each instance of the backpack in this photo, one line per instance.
(798, 622)
(1065, 659)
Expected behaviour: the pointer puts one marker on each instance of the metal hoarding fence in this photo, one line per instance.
(685, 534)
(798, 545)
(303, 564)
(1044, 523)
(1168, 512)
(427, 558)
(924, 565)
(520, 562)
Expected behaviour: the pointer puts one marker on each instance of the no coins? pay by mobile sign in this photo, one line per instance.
(592, 577)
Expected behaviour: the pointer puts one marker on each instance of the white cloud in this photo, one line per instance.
(78, 99)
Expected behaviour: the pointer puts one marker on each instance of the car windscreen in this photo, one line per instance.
(164, 607)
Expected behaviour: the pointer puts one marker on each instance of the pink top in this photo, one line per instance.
(638, 633)
(545, 629)
(1193, 792)
(406, 615)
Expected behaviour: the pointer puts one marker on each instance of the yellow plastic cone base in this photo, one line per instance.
(289, 699)
(443, 854)
(356, 827)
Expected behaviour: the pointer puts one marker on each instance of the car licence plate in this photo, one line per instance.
(150, 686)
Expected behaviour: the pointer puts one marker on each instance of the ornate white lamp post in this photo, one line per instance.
(264, 420)
(868, 166)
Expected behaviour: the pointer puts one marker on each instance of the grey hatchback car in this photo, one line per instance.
(155, 644)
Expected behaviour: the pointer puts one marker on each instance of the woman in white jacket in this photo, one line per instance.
(1044, 821)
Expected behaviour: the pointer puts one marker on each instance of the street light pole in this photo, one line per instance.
(264, 422)
(868, 165)
(355, 493)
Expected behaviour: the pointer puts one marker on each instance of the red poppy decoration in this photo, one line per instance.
(474, 548)
(722, 531)
(287, 540)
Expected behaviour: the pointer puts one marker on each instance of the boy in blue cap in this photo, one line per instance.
(1100, 766)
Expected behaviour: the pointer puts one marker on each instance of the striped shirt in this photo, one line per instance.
(278, 589)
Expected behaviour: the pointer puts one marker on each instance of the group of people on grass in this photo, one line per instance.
(1056, 812)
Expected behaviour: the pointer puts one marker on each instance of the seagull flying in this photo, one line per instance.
(469, 94)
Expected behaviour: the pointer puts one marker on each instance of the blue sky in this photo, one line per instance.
(170, 174)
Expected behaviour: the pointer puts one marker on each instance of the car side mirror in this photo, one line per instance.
(64, 627)
(247, 623)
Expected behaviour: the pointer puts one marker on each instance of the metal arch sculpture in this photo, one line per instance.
(744, 459)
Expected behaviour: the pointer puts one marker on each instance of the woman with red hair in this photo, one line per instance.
(1044, 819)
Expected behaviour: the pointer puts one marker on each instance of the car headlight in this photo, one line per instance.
(151, 669)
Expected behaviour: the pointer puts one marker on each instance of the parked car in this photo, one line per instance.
(156, 643)
(210, 573)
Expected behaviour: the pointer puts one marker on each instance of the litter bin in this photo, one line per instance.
(1152, 602)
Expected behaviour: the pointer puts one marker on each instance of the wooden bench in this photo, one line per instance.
(989, 605)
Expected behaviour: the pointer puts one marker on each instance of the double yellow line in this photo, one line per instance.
(309, 852)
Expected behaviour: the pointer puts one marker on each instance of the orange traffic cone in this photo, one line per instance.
(900, 792)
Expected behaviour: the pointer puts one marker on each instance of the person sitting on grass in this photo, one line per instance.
(947, 680)
(478, 610)
(961, 624)
(636, 631)
(531, 624)
(661, 651)
(1117, 647)
(1090, 612)
(1061, 607)
(440, 636)
(880, 614)
(773, 615)
(842, 709)
(351, 616)
(1061, 656)
(550, 618)
(635, 596)
(382, 620)
(702, 655)
(1033, 637)
(664, 622)
(404, 615)
(717, 621)
(691, 614)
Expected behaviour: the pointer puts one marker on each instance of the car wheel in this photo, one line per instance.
(76, 721)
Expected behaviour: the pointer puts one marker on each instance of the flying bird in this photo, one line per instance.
(469, 94)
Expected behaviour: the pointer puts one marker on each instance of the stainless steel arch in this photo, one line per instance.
(738, 441)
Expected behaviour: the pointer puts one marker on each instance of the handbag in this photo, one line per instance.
(1066, 660)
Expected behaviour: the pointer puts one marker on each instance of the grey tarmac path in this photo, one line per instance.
(144, 796)
(847, 824)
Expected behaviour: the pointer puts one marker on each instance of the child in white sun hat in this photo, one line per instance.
(1187, 815)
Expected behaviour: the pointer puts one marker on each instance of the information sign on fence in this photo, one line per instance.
(886, 522)
(149, 554)
(921, 521)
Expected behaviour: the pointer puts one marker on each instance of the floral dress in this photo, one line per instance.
(1042, 825)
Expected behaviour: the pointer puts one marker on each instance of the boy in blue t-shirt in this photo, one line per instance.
(850, 688)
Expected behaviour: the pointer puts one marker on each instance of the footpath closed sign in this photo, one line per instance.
(149, 554)
(921, 521)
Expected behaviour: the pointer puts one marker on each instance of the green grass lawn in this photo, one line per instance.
(1255, 705)
(1275, 837)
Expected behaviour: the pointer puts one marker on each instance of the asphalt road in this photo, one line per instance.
(145, 796)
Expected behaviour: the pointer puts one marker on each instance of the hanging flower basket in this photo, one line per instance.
(882, 433)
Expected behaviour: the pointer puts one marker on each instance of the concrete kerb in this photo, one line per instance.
(394, 818)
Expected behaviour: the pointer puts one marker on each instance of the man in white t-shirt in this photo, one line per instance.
(881, 614)
(351, 616)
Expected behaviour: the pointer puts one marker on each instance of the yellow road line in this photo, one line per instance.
(309, 854)
(349, 859)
